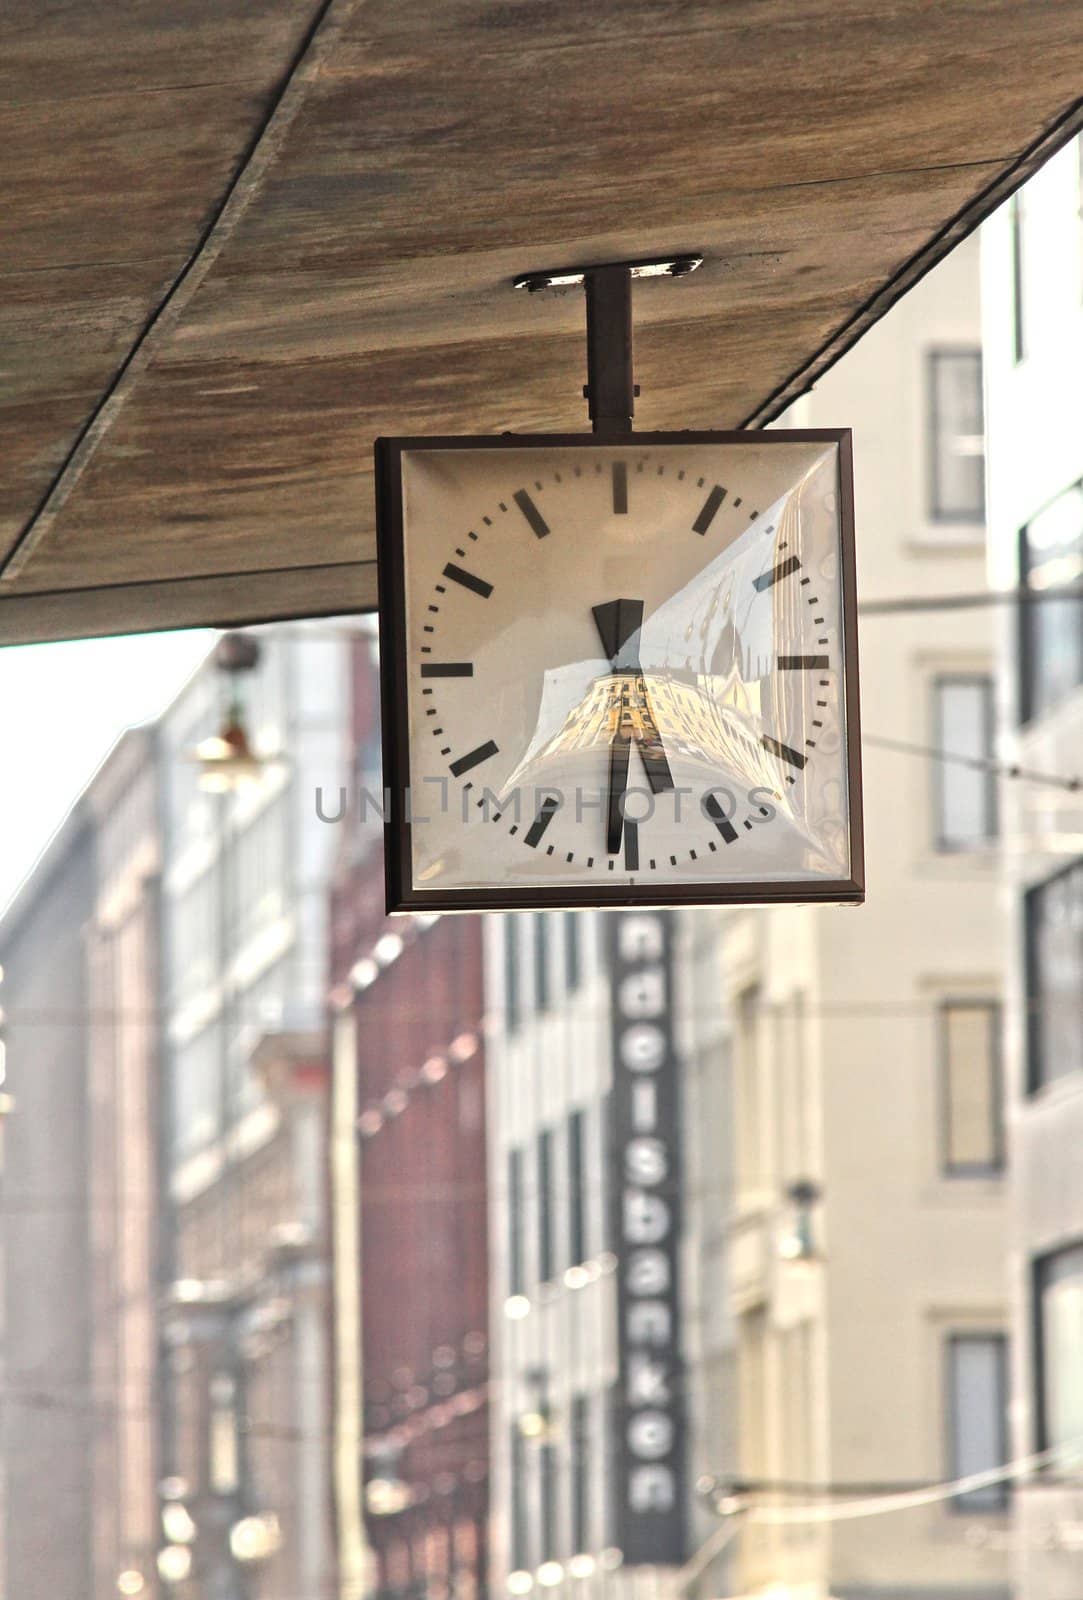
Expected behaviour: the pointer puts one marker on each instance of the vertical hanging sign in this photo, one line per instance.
(649, 1448)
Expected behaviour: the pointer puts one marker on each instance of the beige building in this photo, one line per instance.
(1032, 291)
(863, 1267)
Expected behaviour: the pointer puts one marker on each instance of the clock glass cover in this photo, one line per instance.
(619, 672)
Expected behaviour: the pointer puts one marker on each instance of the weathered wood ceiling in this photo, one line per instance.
(244, 237)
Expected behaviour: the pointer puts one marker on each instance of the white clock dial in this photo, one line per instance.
(625, 666)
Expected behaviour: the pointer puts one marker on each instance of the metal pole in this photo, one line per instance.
(610, 390)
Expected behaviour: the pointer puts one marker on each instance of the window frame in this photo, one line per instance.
(513, 1009)
(937, 512)
(962, 1505)
(1035, 1080)
(576, 1134)
(1040, 1266)
(543, 989)
(545, 1150)
(1016, 225)
(516, 1238)
(573, 952)
(579, 1532)
(984, 680)
(971, 1169)
(1028, 711)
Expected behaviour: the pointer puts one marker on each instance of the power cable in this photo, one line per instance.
(907, 1500)
(900, 605)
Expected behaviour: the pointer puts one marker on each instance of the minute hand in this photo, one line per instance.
(619, 623)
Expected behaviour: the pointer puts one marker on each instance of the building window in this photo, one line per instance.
(541, 961)
(580, 1464)
(515, 1222)
(977, 1379)
(1059, 1288)
(957, 446)
(971, 1087)
(577, 1199)
(519, 1530)
(547, 1466)
(1015, 223)
(546, 1264)
(224, 1452)
(1053, 916)
(750, 1111)
(573, 969)
(965, 795)
(511, 973)
(1051, 625)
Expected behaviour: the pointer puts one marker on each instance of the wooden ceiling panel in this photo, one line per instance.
(280, 392)
(345, 234)
(120, 129)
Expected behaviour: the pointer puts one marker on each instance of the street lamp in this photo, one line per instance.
(226, 758)
(174, 1562)
(387, 1493)
(797, 1239)
(177, 1523)
(255, 1538)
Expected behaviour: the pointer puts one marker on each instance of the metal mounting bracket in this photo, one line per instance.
(610, 389)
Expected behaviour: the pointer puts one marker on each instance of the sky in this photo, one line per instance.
(62, 706)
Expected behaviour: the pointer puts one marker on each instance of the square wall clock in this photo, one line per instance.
(619, 671)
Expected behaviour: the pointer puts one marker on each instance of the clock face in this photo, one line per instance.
(618, 672)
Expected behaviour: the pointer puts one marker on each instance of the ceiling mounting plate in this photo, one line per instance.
(575, 277)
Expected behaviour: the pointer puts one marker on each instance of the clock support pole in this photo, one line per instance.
(610, 390)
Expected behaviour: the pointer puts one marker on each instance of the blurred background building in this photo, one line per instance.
(246, 872)
(48, 1545)
(409, 1198)
(864, 1254)
(1032, 285)
(614, 1255)
(553, 1300)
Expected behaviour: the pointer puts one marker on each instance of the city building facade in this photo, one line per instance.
(1032, 289)
(865, 1250)
(245, 1317)
(838, 1164)
(48, 1405)
(410, 1208)
(122, 944)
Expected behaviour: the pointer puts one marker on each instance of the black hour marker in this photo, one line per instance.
(548, 810)
(783, 570)
(448, 669)
(474, 758)
(620, 486)
(719, 818)
(783, 751)
(709, 508)
(803, 663)
(468, 580)
(531, 513)
(631, 846)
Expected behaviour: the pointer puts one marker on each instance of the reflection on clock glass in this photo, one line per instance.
(625, 665)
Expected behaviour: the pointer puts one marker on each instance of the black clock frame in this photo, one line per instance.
(401, 895)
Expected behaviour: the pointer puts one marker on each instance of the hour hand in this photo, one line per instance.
(618, 623)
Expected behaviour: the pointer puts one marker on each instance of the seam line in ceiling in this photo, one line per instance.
(285, 101)
(953, 232)
(189, 578)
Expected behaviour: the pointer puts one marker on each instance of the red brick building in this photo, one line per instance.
(409, 997)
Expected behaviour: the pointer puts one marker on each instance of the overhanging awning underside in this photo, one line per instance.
(243, 239)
